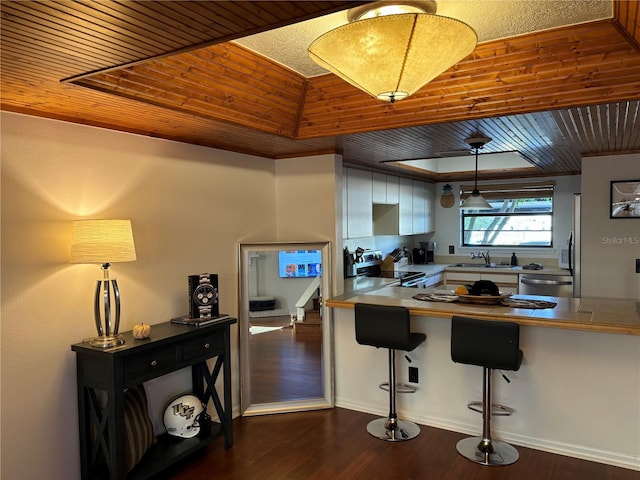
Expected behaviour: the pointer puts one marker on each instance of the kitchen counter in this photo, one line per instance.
(430, 269)
(507, 269)
(588, 314)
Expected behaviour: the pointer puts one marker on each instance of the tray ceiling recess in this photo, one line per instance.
(462, 161)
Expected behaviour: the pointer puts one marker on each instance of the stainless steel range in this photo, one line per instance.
(365, 263)
(369, 264)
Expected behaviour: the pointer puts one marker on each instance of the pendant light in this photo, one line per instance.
(391, 49)
(475, 201)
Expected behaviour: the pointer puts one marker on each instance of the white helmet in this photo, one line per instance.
(182, 416)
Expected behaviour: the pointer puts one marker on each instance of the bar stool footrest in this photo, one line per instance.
(497, 410)
(400, 387)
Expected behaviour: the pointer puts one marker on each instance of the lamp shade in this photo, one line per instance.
(392, 56)
(475, 201)
(102, 241)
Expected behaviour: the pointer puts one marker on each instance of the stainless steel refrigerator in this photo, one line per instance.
(575, 244)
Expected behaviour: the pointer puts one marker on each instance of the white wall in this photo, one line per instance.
(190, 206)
(609, 246)
(448, 224)
(308, 202)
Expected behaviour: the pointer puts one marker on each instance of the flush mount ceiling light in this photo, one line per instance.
(391, 49)
(475, 201)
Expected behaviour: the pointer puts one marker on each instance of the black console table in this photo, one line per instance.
(170, 348)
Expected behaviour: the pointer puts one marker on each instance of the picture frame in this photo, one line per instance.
(624, 199)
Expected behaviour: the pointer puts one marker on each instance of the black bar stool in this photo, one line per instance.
(388, 327)
(492, 345)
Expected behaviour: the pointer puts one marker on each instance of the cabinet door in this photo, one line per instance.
(385, 189)
(419, 214)
(453, 279)
(405, 202)
(507, 282)
(379, 188)
(430, 199)
(359, 204)
(392, 189)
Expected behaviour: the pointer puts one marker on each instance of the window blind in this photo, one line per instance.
(511, 190)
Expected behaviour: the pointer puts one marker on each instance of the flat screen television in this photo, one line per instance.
(299, 263)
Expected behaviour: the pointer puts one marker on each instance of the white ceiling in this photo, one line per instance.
(491, 19)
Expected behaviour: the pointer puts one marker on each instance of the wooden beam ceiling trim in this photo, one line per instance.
(627, 14)
(485, 85)
(223, 82)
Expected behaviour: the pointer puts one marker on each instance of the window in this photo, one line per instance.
(522, 216)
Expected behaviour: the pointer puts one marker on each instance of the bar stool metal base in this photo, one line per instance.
(493, 452)
(393, 431)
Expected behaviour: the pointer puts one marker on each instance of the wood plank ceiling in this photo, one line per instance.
(168, 69)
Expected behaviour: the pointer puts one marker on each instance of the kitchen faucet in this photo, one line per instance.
(486, 256)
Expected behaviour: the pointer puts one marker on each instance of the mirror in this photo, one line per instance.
(286, 354)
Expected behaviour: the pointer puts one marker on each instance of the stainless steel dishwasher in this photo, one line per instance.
(546, 284)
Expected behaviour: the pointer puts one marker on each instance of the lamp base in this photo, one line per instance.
(107, 341)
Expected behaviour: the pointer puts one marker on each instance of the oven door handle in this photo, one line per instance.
(413, 282)
(529, 281)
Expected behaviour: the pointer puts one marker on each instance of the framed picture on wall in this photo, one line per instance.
(625, 199)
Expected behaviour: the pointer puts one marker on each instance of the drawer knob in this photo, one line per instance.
(153, 363)
(206, 346)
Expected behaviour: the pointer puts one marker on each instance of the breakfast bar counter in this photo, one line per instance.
(604, 315)
(577, 392)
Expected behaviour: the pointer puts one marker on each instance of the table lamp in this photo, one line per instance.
(104, 242)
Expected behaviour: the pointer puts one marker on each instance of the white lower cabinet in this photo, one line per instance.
(507, 282)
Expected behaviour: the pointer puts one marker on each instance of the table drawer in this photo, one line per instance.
(203, 347)
(153, 363)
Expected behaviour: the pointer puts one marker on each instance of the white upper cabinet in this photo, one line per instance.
(405, 201)
(423, 207)
(430, 190)
(419, 214)
(379, 204)
(385, 189)
(359, 208)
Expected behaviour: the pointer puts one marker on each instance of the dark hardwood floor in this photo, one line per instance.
(285, 365)
(334, 444)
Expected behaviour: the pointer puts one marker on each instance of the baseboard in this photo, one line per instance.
(545, 445)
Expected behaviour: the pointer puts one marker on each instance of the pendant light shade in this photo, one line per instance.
(390, 57)
(475, 201)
